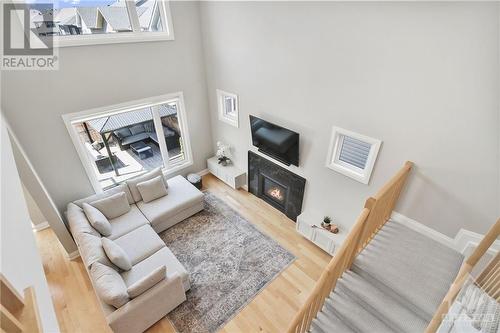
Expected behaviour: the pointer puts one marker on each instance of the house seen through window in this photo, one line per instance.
(72, 21)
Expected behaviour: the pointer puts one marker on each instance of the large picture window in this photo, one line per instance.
(122, 141)
(74, 23)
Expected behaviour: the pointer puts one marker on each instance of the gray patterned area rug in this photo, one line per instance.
(229, 261)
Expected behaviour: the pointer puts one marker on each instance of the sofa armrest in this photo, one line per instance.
(148, 308)
(78, 222)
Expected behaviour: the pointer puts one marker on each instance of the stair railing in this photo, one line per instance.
(487, 279)
(377, 211)
(18, 314)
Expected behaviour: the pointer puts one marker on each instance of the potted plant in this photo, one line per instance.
(222, 153)
(328, 225)
(327, 220)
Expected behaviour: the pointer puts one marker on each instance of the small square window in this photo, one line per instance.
(227, 104)
(352, 154)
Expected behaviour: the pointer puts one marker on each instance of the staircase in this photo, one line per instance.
(394, 285)
(18, 314)
(386, 277)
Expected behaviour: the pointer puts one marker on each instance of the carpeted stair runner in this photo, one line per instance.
(396, 285)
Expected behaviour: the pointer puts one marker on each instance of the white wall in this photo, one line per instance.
(38, 190)
(94, 76)
(36, 215)
(422, 77)
(20, 261)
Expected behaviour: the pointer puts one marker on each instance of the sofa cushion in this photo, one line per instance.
(97, 219)
(132, 183)
(167, 133)
(140, 243)
(182, 195)
(127, 222)
(116, 254)
(147, 282)
(152, 189)
(78, 222)
(136, 129)
(91, 250)
(113, 206)
(162, 257)
(109, 285)
(135, 138)
(107, 193)
(123, 133)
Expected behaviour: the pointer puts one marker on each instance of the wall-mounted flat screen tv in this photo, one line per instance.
(278, 142)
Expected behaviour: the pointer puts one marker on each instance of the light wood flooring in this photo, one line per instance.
(78, 310)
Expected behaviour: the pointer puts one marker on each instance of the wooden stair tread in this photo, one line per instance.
(18, 314)
(9, 322)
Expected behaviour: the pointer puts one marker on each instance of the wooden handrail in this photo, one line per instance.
(491, 270)
(18, 314)
(376, 212)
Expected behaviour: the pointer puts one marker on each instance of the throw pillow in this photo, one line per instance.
(147, 282)
(123, 133)
(109, 285)
(152, 189)
(97, 219)
(132, 183)
(113, 206)
(105, 194)
(116, 254)
(136, 129)
(91, 250)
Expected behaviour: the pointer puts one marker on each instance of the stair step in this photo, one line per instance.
(327, 322)
(353, 315)
(417, 268)
(380, 303)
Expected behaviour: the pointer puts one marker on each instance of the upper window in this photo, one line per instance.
(352, 154)
(117, 143)
(227, 104)
(100, 21)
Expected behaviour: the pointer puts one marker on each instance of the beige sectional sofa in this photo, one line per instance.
(136, 233)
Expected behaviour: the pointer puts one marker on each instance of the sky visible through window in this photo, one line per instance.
(41, 4)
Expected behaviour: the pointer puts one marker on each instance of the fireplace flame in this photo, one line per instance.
(276, 193)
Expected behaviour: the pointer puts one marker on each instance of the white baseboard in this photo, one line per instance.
(73, 255)
(464, 242)
(41, 226)
(203, 172)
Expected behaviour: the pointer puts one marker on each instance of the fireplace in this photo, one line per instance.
(276, 185)
(274, 191)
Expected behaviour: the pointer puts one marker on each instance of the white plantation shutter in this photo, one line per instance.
(354, 152)
(229, 101)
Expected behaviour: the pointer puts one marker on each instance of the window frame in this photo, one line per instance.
(71, 118)
(333, 162)
(223, 116)
(124, 37)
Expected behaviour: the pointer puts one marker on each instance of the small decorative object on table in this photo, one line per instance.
(327, 224)
(195, 179)
(222, 153)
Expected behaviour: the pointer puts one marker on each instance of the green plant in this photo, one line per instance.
(327, 219)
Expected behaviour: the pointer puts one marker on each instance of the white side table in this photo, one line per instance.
(309, 226)
(229, 174)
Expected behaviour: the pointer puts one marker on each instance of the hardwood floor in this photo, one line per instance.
(271, 310)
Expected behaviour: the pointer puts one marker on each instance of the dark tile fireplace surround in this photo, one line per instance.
(276, 185)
